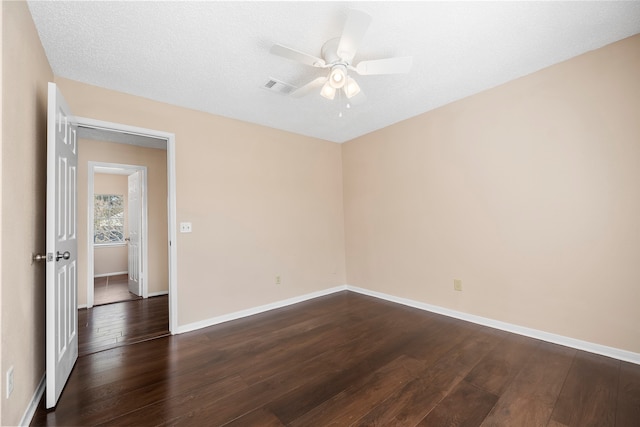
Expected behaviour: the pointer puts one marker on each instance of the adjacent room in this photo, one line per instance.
(320, 213)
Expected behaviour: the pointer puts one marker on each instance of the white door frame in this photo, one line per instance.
(171, 197)
(116, 169)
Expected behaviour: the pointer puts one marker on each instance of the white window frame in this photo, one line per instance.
(122, 242)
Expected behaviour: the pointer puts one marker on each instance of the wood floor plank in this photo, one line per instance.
(553, 423)
(234, 405)
(260, 417)
(588, 397)
(362, 395)
(438, 338)
(312, 393)
(294, 350)
(414, 401)
(628, 407)
(98, 411)
(530, 398)
(179, 404)
(112, 289)
(496, 370)
(466, 406)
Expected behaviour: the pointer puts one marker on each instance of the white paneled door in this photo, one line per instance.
(135, 220)
(62, 253)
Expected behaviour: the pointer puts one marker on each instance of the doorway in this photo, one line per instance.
(124, 135)
(118, 243)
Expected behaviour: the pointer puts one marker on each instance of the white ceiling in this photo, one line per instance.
(214, 56)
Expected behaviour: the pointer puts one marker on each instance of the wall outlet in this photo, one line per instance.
(457, 285)
(9, 381)
(185, 227)
(278, 281)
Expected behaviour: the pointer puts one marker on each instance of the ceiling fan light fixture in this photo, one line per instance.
(351, 88)
(337, 55)
(328, 91)
(338, 76)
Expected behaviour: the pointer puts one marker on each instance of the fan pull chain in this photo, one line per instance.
(340, 103)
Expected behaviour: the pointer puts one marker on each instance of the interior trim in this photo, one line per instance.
(256, 310)
(115, 273)
(170, 139)
(93, 168)
(590, 347)
(157, 294)
(35, 401)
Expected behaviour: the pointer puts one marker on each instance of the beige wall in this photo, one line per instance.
(156, 162)
(110, 260)
(528, 193)
(113, 258)
(25, 72)
(262, 203)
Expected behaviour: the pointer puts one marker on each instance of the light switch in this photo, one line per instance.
(185, 227)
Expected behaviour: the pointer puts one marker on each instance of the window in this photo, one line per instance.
(108, 219)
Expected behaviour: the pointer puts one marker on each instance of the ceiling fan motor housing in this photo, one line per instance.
(330, 52)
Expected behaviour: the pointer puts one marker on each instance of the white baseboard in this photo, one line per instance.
(157, 294)
(33, 405)
(256, 310)
(82, 306)
(115, 273)
(603, 350)
(590, 347)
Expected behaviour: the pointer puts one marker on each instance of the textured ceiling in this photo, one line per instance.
(214, 56)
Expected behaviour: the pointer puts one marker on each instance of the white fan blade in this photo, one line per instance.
(400, 65)
(295, 55)
(352, 34)
(309, 87)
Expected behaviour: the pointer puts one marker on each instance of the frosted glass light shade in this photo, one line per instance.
(351, 88)
(328, 91)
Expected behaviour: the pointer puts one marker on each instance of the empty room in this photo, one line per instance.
(324, 213)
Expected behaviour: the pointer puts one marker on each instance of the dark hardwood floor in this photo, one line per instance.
(347, 359)
(114, 325)
(112, 289)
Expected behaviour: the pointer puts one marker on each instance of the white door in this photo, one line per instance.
(62, 254)
(135, 220)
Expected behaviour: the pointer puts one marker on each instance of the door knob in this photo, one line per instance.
(38, 257)
(65, 255)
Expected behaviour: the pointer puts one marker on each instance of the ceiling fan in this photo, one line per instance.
(337, 55)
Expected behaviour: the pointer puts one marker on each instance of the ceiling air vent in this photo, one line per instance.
(282, 88)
